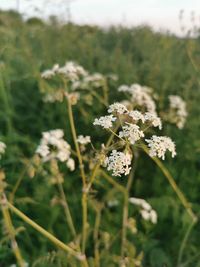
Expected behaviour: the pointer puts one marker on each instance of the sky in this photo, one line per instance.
(160, 14)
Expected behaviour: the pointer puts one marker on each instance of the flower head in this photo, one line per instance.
(83, 140)
(105, 121)
(178, 108)
(158, 145)
(132, 132)
(118, 108)
(53, 146)
(118, 162)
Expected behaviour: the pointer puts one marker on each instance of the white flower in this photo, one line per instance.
(47, 74)
(132, 132)
(136, 115)
(141, 96)
(83, 140)
(146, 211)
(153, 119)
(124, 88)
(105, 121)
(179, 106)
(72, 71)
(53, 146)
(2, 148)
(118, 163)
(153, 216)
(117, 107)
(140, 202)
(71, 164)
(43, 150)
(145, 215)
(159, 145)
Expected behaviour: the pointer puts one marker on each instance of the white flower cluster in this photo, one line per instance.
(83, 140)
(53, 146)
(118, 162)
(70, 71)
(2, 148)
(117, 108)
(146, 211)
(159, 145)
(178, 105)
(132, 132)
(95, 80)
(140, 96)
(105, 121)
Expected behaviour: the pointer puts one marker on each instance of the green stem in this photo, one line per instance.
(11, 232)
(45, 233)
(96, 237)
(84, 190)
(173, 184)
(66, 209)
(183, 243)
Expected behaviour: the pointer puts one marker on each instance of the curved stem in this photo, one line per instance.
(173, 184)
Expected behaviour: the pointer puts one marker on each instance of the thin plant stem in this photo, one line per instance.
(125, 206)
(183, 243)
(173, 184)
(124, 224)
(96, 237)
(11, 232)
(98, 165)
(66, 209)
(48, 235)
(84, 191)
(16, 186)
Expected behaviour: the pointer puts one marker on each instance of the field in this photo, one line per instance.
(97, 192)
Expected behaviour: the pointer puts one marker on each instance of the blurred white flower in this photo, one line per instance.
(83, 140)
(153, 119)
(158, 145)
(146, 211)
(178, 106)
(71, 164)
(140, 96)
(118, 108)
(53, 146)
(47, 74)
(2, 148)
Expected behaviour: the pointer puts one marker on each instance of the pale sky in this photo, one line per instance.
(160, 14)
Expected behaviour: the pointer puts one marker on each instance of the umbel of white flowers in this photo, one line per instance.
(131, 131)
(53, 146)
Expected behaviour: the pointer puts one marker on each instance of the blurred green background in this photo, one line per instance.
(162, 61)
